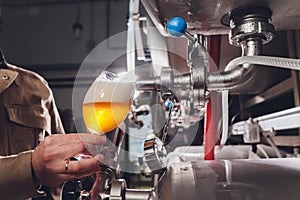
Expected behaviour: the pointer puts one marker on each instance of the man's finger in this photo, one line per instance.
(82, 166)
(77, 137)
(73, 149)
(92, 138)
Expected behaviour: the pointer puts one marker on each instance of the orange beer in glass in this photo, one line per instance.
(107, 102)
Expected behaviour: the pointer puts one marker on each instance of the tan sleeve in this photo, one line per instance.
(16, 177)
(56, 123)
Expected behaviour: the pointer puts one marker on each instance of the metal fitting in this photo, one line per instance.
(119, 191)
(249, 22)
(155, 154)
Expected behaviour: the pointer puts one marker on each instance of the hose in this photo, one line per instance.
(287, 63)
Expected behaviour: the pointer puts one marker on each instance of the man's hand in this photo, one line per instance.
(50, 160)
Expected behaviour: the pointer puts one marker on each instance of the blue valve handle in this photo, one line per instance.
(176, 26)
(169, 104)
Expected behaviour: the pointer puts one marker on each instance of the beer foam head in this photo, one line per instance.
(109, 87)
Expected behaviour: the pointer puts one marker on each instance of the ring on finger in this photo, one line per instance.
(67, 165)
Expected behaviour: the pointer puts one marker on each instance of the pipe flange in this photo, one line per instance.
(256, 29)
(167, 82)
(155, 154)
(199, 89)
(249, 22)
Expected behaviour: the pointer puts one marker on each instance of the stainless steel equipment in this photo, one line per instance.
(231, 179)
(205, 17)
(184, 174)
(249, 26)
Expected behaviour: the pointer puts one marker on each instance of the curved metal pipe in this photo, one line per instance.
(233, 77)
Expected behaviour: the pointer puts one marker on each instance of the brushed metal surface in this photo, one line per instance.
(204, 16)
(262, 179)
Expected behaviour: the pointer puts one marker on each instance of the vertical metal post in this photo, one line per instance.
(293, 42)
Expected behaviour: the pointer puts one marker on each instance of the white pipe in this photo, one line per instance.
(287, 63)
(225, 114)
(130, 55)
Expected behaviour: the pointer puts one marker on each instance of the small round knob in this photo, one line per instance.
(168, 104)
(176, 26)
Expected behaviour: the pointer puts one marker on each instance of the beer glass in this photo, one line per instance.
(107, 102)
